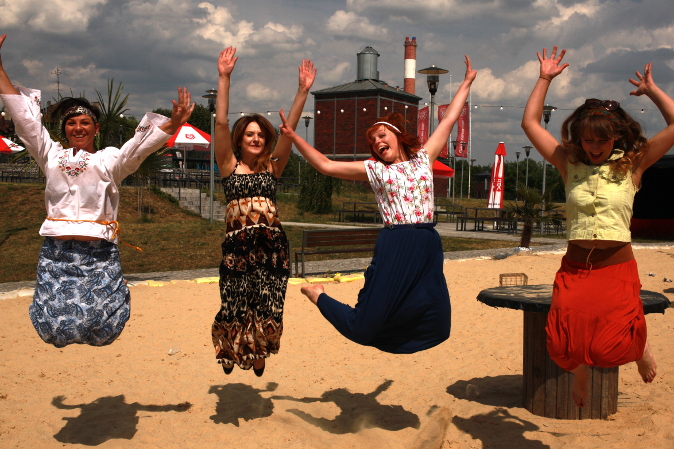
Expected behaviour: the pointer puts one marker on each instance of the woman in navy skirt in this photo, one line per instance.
(404, 305)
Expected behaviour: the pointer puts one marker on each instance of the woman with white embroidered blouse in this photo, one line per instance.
(404, 305)
(80, 294)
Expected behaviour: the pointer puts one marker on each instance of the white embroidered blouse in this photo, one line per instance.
(80, 186)
(404, 191)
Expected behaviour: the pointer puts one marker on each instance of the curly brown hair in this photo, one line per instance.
(239, 128)
(616, 125)
(409, 142)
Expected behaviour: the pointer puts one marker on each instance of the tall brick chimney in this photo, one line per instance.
(410, 64)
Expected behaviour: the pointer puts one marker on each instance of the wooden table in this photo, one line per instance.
(547, 387)
(501, 218)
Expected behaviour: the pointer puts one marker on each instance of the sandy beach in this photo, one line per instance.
(158, 385)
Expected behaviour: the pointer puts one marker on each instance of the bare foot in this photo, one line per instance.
(646, 365)
(313, 292)
(579, 389)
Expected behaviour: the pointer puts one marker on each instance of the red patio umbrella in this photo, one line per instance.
(7, 146)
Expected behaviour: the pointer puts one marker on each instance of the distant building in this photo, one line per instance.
(345, 112)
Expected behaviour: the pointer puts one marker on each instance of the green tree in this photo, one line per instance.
(315, 191)
(530, 208)
(112, 107)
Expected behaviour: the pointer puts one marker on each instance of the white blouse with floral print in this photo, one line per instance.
(404, 191)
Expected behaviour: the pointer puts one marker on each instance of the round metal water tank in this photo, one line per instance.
(367, 64)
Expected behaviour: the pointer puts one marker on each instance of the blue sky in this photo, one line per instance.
(153, 46)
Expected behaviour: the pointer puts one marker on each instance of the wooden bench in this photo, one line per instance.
(501, 219)
(450, 211)
(335, 241)
(357, 211)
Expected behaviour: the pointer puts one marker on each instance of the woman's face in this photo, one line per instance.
(597, 149)
(253, 140)
(385, 144)
(80, 131)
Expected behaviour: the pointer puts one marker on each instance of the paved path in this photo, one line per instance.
(321, 268)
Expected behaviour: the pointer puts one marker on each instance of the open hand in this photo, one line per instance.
(227, 61)
(551, 67)
(182, 109)
(645, 82)
(470, 73)
(307, 74)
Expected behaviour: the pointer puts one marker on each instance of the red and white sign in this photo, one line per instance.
(422, 125)
(463, 131)
(496, 186)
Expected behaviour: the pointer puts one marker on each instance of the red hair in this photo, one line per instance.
(409, 143)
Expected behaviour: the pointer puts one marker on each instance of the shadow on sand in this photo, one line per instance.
(358, 411)
(497, 391)
(241, 401)
(499, 428)
(107, 418)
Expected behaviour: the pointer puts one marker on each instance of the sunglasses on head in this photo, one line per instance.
(609, 105)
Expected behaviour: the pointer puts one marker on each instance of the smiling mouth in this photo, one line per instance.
(383, 148)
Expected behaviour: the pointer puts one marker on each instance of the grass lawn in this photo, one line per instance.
(171, 238)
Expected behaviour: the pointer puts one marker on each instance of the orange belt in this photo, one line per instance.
(114, 224)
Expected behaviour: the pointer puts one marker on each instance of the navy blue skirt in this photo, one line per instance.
(404, 305)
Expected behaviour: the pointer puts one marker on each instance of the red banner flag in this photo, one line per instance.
(463, 132)
(422, 125)
(441, 114)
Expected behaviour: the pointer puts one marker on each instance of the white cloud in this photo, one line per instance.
(258, 92)
(35, 68)
(55, 16)
(336, 73)
(349, 24)
(219, 25)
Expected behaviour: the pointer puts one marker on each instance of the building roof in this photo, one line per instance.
(368, 85)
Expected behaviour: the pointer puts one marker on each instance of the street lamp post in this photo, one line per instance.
(307, 119)
(463, 148)
(470, 167)
(547, 110)
(527, 151)
(517, 178)
(432, 79)
(211, 95)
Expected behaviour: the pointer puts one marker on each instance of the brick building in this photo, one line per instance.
(345, 112)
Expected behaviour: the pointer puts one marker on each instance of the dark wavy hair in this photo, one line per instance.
(410, 143)
(63, 106)
(617, 125)
(239, 128)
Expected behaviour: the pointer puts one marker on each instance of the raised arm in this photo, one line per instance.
(221, 139)
(343, 170)
(181, 112)
(307, 75)
(541, 139)
(6, 87)
(664, 140)
(439, 137)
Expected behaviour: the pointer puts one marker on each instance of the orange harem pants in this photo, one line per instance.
(596, 317)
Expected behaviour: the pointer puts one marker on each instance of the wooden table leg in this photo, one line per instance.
(547, 387)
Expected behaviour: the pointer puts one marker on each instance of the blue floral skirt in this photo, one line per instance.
(80, 294)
